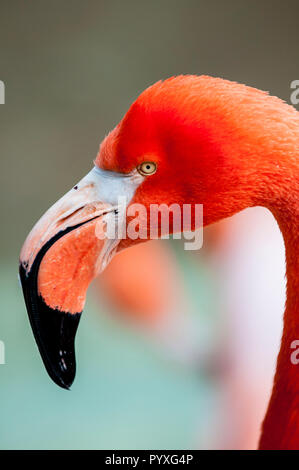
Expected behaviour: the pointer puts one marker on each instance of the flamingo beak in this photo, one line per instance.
(63, 252)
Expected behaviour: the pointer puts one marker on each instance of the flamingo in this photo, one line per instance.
(187, 139)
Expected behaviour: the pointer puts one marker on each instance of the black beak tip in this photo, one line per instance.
(60, 380)
(54, 332)
(60, 363)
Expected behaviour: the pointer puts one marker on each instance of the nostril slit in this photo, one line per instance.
(76, 187)
(61, 221)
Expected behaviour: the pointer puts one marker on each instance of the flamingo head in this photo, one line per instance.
(183, 141)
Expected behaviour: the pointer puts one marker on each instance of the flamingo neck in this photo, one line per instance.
(280, 428)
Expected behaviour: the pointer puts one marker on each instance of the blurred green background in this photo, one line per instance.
(71, 70)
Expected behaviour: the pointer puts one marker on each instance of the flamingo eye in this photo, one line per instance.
(147, 168)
